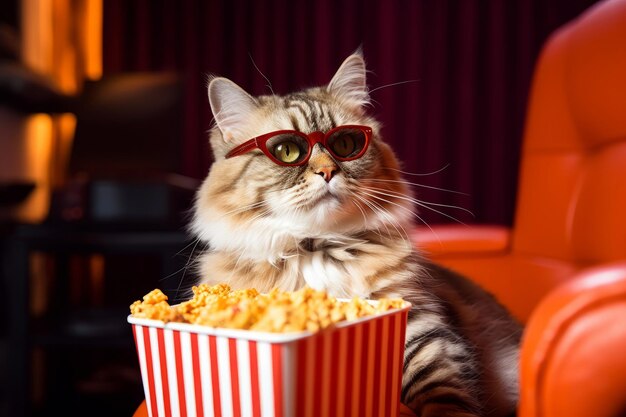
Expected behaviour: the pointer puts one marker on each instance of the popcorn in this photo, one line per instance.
(154, 306)
(277, 311)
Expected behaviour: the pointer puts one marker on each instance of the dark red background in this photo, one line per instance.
(472, 60)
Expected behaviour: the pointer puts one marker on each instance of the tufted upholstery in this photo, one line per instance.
(572, 192)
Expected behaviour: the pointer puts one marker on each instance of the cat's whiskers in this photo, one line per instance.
(280, 190)
(301, 201)
(186, 246)
(243, 209)
(393, 220)
(392, 85)
(361, 209)
(373, 209)
(418, 174)
(376, 207)
(186, 267)
(269, 84)
(395, 194)
(258, 216)
(289, 195)
(420, 203)
(411, 212)
(356, 186)
(415, 184)
(305, 200)
(358, 206)
(373, 195)
(427, 204)
(234, 269)
(194, 242)
(447, 205)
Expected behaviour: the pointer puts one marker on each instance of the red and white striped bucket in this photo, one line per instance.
(353, 369)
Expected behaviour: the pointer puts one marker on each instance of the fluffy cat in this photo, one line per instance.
(340, 224)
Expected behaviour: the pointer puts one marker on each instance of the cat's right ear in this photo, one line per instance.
(231, 106)
(349, 82)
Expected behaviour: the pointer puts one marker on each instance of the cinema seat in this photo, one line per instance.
(561, 268)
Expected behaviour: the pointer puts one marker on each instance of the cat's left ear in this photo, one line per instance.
(349, 82)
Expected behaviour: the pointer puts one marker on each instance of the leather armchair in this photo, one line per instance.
(561, 268)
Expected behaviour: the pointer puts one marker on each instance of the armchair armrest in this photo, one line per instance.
(572, 357)
(460, 240)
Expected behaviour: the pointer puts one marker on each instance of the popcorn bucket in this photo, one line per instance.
(352, 369)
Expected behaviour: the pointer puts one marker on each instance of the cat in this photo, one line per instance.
(328, 208)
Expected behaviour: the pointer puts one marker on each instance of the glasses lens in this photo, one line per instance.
(288, 148)
(347, 143)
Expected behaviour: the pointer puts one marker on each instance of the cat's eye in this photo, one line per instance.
(344, 145)
(287, 152)
(289, 149)
(346, 142)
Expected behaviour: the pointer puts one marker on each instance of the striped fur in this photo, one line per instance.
(271, 226)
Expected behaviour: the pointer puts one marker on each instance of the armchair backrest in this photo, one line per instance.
(572, 193)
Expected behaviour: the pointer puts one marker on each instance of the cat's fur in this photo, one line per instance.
(273, 226)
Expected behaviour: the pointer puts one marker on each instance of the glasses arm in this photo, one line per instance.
(247, 146)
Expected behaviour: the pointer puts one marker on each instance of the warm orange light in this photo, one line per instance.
(93, 36)
(37, 37)
(63, 39)
(36, 166)
(66, 69)
(38, 144)
(66, 125)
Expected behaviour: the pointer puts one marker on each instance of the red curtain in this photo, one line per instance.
(467, 67)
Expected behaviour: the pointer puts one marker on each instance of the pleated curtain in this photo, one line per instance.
(462, 71)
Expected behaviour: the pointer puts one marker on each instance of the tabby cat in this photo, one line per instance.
(304, 191)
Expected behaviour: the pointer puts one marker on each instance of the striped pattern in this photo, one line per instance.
(349, 371)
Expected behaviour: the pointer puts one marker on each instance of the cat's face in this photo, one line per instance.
(250, 198)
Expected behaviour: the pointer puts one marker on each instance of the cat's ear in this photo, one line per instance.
(349, 82)
(231, 106)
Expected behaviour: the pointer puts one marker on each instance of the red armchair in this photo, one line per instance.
(562, 267)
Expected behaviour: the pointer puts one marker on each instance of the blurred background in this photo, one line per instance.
(103, 140)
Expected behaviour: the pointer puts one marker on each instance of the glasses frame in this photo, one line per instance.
(313, 138)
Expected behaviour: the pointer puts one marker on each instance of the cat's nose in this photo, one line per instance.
(327, 172)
